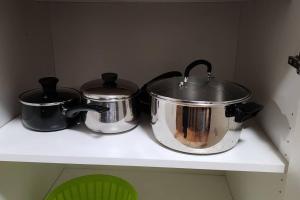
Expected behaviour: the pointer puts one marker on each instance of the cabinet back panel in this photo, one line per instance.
(141, 40)
(25, 52)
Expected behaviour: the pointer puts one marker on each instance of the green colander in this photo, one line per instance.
(94, 187)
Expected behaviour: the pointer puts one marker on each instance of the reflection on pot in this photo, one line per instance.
(193, 125)
(194, 129)
(122, 116)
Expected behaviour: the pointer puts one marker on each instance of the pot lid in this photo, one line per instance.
(199, 91)
(109, 87)
(48, 95)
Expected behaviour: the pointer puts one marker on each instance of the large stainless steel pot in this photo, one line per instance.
(119, 96)
(199, 115)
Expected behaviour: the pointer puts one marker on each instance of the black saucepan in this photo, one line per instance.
(51, 109)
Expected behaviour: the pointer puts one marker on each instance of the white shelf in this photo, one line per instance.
(135, 148)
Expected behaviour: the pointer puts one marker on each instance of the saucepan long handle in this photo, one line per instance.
(84, 108)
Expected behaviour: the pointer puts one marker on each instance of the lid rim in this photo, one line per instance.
(221, 92)
(201, 103)
(111, 99)
(46, 104)
(96, 90)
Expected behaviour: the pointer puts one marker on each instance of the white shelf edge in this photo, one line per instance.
(142, 163)
(18, 144)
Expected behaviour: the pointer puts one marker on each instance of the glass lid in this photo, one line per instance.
(48, 95)
(109, 87)
(199, 91)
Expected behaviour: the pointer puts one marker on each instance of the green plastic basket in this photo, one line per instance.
(94, 187)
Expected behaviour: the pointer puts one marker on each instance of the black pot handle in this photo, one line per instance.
(163, 76)
(243, 111)
(144, 96)
(194, 64)
(49, 86)
(72, 112)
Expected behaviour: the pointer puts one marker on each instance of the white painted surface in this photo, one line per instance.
(163, 185)
(269, 34)
(25, 52)
(23, 181)
(256, 186)
(293, 175)
(134, 148)
(140, 41)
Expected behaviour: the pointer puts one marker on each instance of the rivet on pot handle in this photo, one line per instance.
(84, 108)
(243, 111)
(194, 64)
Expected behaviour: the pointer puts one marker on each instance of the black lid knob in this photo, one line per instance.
(49, 86)
(109, 78)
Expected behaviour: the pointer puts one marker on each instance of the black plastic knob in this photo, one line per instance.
(49, 86)
(109, 77)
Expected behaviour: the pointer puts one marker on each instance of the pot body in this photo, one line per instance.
(193, 129)
(122, 115)
(48, 118)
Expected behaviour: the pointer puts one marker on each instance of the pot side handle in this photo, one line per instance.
(245, 111)
(166, 75)
(144, 95)
(73, 111)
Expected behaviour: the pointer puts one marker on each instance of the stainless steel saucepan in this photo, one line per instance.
(200, 116)
(119, 96)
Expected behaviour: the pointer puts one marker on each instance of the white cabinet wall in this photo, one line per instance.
(247, 41)
(25, 52)
(269, 33)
